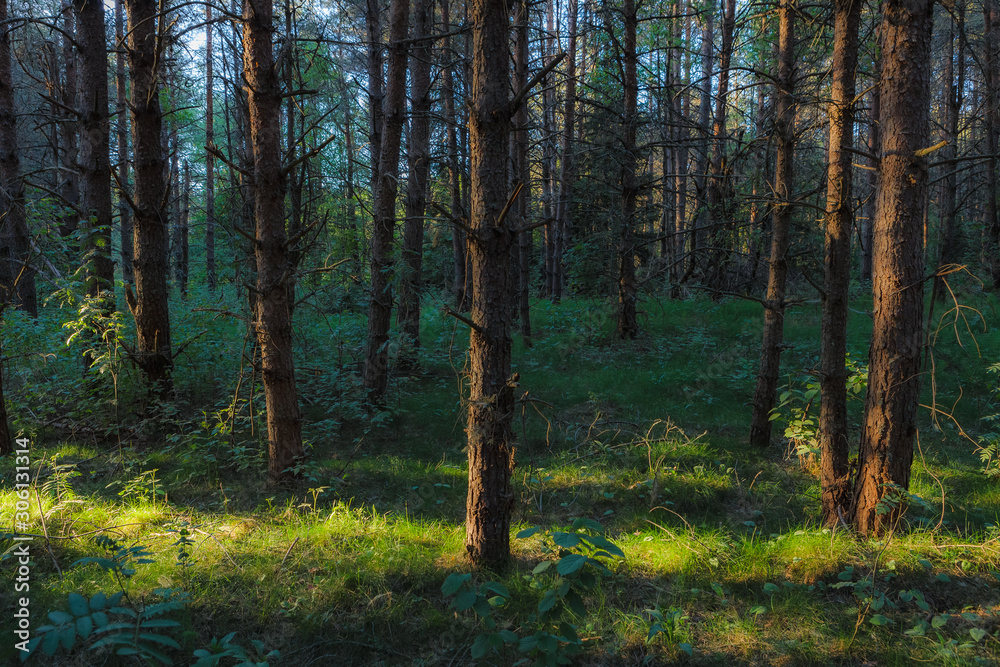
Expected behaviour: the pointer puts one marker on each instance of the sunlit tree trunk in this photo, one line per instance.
(839, 219)
(949, 245)
(774, 308)
(889, 426)
(716, 212)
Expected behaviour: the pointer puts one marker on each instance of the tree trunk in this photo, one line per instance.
(183, 259)
(705, 127)
(17, 278)
(69, 126)
(376, 377)
(491, 387)
(774, 310)
(889, 426)
(209, 157)
(564, 215)
(522, 173)
(418, 167)
(716, 214)
(149, 306)
(628, 325)
(991, 11)
(121, 128)
(95, 150)
(949, 246)
(454, 185)
(839, 218)
(874, 146)
(273, 318)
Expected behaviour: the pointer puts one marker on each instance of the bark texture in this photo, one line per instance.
(889, 426)
(834, 470)
(209, 157)
(418, 167)
(95, 150)
(774, 310)
(376, 376)
(17, 278)
(628, 323)
(491, 387)
(274, 270)
(121, 132)
(149, 306)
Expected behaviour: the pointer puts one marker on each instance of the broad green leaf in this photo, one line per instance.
(98, 601)
(939, 621)
(84, 626)
(570, 564)
(878, 619)
(687, 648)
(464, 600)
(60, 617)
(771, 588)
(454, 582)
(978, 633)
(527, 532)
(566, 540)
(78, 604)
(541, 567)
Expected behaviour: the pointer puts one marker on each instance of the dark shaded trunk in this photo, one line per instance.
(889, 426)
(564, 212)
(628, 323)
(418, 167)
(273, 313)
(491, 387)
(837, 262)
(376, 376)
(209, 157)
(774, 310)
(701, 221)
(949, 245)
(121, 129)
(716, 212)
(183, 254)
(149, 306)
(458, 243)
(874, 146)
(17, 278)
(95, 151)
(521, 172)
(991, 12)
(69, 127)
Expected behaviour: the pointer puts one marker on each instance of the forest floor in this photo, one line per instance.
(643, 442)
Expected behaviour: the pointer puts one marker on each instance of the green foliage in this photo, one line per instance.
(577, 561)
(671, 626)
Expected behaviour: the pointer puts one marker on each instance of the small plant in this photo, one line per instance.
(482, 600)
(220, 649)
(671, 626)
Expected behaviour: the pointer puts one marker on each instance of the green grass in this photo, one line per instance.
(646, 437)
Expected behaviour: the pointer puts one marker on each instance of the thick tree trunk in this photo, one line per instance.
(833, 443)
(121, 129)
(373, 23)
(418, 167)
(17, 278)
(491, 387)
(273, 317)
(774, 310)
(889, 426)
(376, 376)
(149, 306)
(209, 157)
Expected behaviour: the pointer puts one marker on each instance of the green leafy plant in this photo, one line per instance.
(670, 626)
